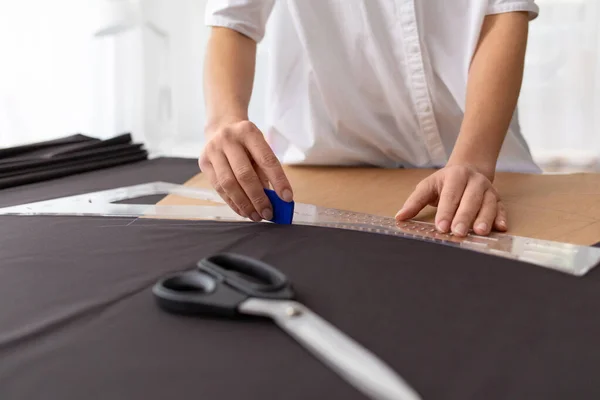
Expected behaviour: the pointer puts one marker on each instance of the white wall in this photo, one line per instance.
(46, 69)
(56, 78)
(560, 100)
(184, 20)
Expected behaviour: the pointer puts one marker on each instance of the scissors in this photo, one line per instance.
(233, 285)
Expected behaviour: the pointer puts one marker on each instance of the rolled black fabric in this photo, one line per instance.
(71, 155)
(12, 152)
(57, 162)
(72, 168)
(78, 319)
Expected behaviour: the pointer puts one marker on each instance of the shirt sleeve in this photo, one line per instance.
(504, 6)
(248, 17)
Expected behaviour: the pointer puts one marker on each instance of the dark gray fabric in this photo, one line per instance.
(71, 155)
(78, 320)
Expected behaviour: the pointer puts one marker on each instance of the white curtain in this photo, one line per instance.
(56, 78)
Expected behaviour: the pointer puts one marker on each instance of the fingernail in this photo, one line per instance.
(460, 229)
(255, 217)
(287, 195)
(443, 226)
(502, 223)
(482, 227)
(400, 212)
(267, 214)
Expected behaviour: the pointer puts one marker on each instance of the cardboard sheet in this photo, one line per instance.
(564, 208)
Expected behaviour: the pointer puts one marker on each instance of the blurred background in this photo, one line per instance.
(103, 67)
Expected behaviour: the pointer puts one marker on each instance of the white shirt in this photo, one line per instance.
(370, 82)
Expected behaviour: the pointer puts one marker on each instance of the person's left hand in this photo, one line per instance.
(465, 199)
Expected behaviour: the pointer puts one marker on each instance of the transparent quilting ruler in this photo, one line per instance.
(568, 258)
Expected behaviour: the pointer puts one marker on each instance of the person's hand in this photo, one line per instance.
(465, 199)
(239, 164)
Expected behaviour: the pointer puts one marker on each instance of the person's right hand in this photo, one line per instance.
(239, 164)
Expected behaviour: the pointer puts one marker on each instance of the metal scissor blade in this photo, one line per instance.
(349, 359)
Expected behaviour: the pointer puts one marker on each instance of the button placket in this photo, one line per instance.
(418, 81)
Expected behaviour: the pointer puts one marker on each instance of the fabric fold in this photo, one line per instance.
(66, 156)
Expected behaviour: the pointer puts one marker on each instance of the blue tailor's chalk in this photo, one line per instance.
(283, 212)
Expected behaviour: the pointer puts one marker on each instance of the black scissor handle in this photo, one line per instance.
(219, 285)
(193, 292)
(248, 275)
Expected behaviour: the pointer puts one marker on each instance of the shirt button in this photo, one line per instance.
(427, 124)
(406, 7)
(424, 107)
(415, 69)
(414, 49)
